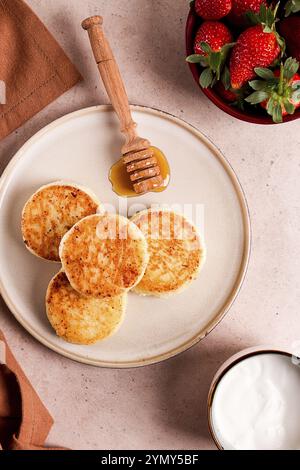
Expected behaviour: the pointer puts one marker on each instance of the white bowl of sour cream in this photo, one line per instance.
(254, 401)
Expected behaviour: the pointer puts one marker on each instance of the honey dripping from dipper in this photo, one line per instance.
(120, 178)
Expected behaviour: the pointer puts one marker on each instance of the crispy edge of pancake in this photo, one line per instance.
(118, 289)
(63, 327)
(144, 292)
(70, 184)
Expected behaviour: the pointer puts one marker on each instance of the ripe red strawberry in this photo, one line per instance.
(212, 44)
(278, 92)
(214, 33)
(239, 9)
(289, 28)
(254, 48)
(212, 9)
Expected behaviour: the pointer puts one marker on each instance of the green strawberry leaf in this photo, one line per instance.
(270, 17)
(226, 78)
(292, 6)
(206, 78)
(290, 68)
(264, 73)
(275, 10)
(289, 107)
(205, 47)
(270, 106)
(240, 104)
(257, 97)
(223, 54)
(215, 62)
(226, 48)
(257, 85)
(194, 58)
(252, 17)
(277, 113)
(213, 83)
(263, 13)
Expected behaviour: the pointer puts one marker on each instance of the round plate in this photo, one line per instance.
(81, 147)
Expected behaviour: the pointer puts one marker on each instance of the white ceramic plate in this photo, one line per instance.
(81, 147)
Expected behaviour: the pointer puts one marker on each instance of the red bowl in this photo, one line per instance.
(254, 115)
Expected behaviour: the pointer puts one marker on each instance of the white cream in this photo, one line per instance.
(256, 404)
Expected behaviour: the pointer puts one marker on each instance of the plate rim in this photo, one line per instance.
(240, 276)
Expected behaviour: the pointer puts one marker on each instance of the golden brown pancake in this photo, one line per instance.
(104, 255)
(175, 249)
(50, 213)
(79, 319)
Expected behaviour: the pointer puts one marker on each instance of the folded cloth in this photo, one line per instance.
(34, 70)
(24, 420)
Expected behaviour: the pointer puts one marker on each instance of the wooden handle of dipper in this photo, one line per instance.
(113, 83)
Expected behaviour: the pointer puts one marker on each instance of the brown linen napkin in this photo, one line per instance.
(34, 69)
(24, 420)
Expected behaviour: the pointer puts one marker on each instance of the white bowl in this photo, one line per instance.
(217, 430)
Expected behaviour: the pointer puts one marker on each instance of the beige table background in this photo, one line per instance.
(164, 406)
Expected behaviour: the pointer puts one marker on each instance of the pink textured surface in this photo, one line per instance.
(164, 406)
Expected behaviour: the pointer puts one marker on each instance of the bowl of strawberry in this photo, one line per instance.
(245, 56)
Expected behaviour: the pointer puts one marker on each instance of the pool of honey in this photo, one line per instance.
(120, 180)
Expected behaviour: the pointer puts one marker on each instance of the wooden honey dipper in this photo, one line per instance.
(138, 157)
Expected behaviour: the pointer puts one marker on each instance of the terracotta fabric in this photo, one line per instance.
(33, 67)
(24, 420)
